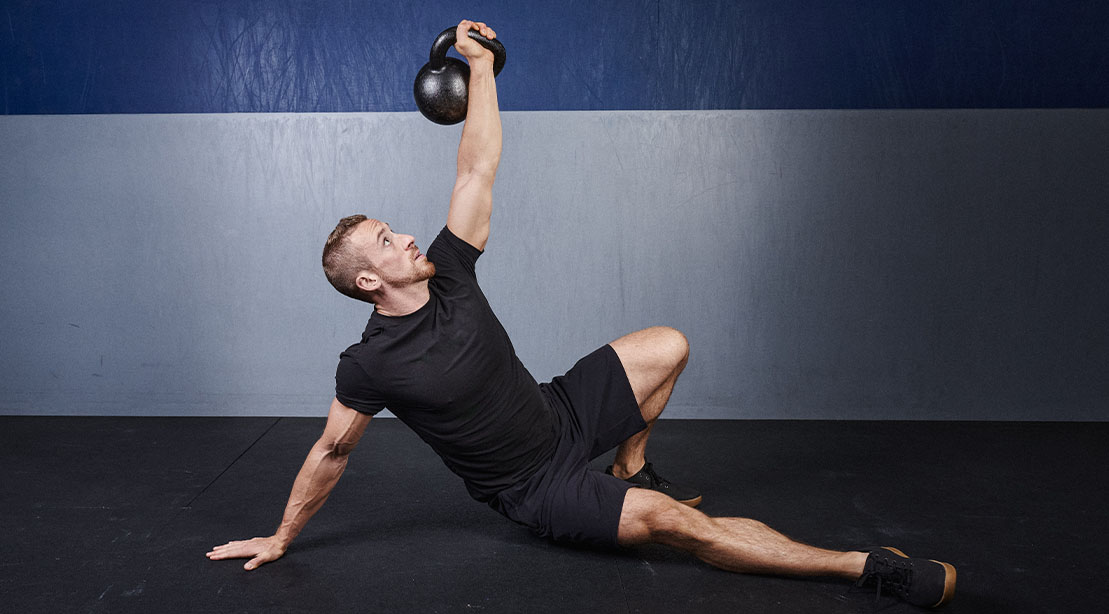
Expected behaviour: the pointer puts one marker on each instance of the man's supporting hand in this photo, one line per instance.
(259, 550)
(318, 475)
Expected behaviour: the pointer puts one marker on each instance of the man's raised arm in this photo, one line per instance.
(479, 153)
(321, 470)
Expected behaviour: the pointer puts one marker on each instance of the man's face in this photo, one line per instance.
(397, 259)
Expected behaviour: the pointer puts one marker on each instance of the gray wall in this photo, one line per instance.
(946, 264)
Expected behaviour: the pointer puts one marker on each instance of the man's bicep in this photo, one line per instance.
(344, 427)
(471, 209)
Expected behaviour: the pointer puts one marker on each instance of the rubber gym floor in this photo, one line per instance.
(115, 514)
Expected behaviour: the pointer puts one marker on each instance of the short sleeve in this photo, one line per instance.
(353, 387)
(453, 256)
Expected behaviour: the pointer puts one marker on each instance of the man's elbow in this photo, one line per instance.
(484, 171)
(334, 450)
(475, 181)
(342, 450)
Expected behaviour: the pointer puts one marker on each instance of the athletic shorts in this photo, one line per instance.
(566, 500)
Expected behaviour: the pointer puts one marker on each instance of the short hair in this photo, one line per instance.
(342, 262)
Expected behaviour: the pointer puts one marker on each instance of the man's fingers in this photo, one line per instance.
(223, 552)
(228, 547)
(236, 549)
(480, 26)
(220, 552)
(260, 550)
(486, 31)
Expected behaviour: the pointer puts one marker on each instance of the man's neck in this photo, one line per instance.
(403, 301)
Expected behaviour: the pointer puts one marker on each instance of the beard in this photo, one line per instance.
(423, 271)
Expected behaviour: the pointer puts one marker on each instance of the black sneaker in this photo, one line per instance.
(647, 478)
(921, 582)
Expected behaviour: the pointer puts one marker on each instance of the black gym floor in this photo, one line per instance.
(115, 515)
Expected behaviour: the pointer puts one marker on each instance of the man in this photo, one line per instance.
(434, 353)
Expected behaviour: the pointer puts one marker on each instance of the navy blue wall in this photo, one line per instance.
(200, 56)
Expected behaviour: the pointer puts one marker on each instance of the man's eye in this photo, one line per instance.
(387, 243)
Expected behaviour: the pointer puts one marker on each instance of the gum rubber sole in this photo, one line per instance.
(691, 502)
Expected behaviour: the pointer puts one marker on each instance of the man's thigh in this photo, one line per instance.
(650, 357)
(567, 502)
(597, 403)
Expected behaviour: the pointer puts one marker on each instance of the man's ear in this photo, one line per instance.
(367, 281)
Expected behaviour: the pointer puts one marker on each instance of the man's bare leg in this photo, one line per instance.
(735, 544)
(653, 359)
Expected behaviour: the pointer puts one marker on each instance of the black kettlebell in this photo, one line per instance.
(442, 85)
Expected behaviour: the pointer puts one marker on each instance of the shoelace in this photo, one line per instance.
(655, 479)
(896, 578)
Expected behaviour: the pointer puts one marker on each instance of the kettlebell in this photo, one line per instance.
(442, 85)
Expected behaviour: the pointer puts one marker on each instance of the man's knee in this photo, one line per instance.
(650, 358)
(663, 345)
(652, 517)
(669, 345)
(678, 345)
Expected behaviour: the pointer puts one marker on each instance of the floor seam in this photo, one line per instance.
(623, 591)
(230, 465)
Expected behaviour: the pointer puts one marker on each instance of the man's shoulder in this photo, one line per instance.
(360, 362)
(449, 253)
(356, 381)
(447, 236)
(365, 345)
(351, 359)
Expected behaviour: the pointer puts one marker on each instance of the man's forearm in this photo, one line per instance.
(314, 482)
(480, 149)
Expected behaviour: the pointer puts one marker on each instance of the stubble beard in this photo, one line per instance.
(422, 272)
(426, 271)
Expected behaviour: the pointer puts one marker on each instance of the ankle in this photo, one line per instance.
(854, 564)
(627, 470)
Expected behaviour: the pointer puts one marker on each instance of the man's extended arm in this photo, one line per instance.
(321, 470)
(479, 152)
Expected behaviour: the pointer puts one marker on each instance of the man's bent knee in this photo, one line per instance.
(673, 343)
(651, 517)
(651, 356)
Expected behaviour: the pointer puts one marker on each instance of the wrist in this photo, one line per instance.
(481, 63)
(283, 537)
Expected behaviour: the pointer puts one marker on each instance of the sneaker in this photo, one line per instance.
(647, 478)
(921, 582)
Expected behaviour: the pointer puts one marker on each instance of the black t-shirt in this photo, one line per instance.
(449, 371)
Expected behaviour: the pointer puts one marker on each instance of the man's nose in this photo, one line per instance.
(407, 241)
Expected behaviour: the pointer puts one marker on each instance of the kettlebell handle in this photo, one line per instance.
(447, 38)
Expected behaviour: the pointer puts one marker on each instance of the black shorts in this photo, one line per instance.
(566, 500)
